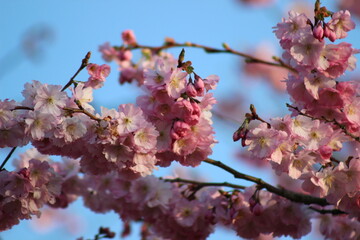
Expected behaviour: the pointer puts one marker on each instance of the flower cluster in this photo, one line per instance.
(325, 112)
(177, 103)
(108, 157)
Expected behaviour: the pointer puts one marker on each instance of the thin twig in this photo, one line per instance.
(7, 158)
(227, 49)
(328, 211)
(90, 115)
(83, 65)
(204, 184)
(293, 196)
(342, 127)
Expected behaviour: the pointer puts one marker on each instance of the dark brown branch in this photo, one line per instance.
(204, 184)
(90, 115)
(293, 196)
(227, 49)
(336, 123)
(328, 211)
(83, 65)
(22, 108)
(7, 158)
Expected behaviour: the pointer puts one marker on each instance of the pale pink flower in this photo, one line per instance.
(317, 135)
(108, 52)
(38, 123)
(186, 213)
(341, 23)
(184, 146)
(307, 50)
(301, 126)
(175, 85)
(98, 74)
(352, 111)
(73, 128)
(7, 116)
(144, 164)
(130, 119)
(84, 95)
(301, 163)
(31, 153)
(30, 93)
(119, 154)
(315, 81)
(263, 141)
(293, 28)
(155, 79)
(145, 138)
(50, 99)
(211, 82)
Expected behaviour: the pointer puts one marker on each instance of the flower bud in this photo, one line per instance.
(318, 32)
(190, 90)
(329, 33)
(128, 37)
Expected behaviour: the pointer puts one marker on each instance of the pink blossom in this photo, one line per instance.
(97, 74)
(128, 37)
(186, 213)
(292, 28)
(315, 82)
(73, 128)
(144, 164)
(38, 123)
(84, 95)
(307, 50)
(145, 138)
(7, 117)
(50, 99)
(263, 141)
(130, 119)
(211, 82)
(108, 52)
(175, 85)
(341, 23)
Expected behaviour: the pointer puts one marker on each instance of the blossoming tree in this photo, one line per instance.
(108, 157)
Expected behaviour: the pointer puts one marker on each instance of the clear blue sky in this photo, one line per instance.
(78, 26)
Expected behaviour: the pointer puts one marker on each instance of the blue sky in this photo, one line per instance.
(75, 27)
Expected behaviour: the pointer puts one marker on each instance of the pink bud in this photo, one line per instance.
(179, 130)
(199, 86)
(329, 33)
(257, 209)
(190, 90)
(332, 36)
(325, 152)
(25, 173)
(318, 32)
(128, 37)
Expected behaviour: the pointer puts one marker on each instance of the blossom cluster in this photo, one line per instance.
(177, 102)
(108, 157)
(325, 112)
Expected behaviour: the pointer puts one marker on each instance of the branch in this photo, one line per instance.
(328, 211)
(248, 58)
(83, 65)
(90, 115)
(341, 126)
(203, 184)
(293, 196)
(7, 158)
